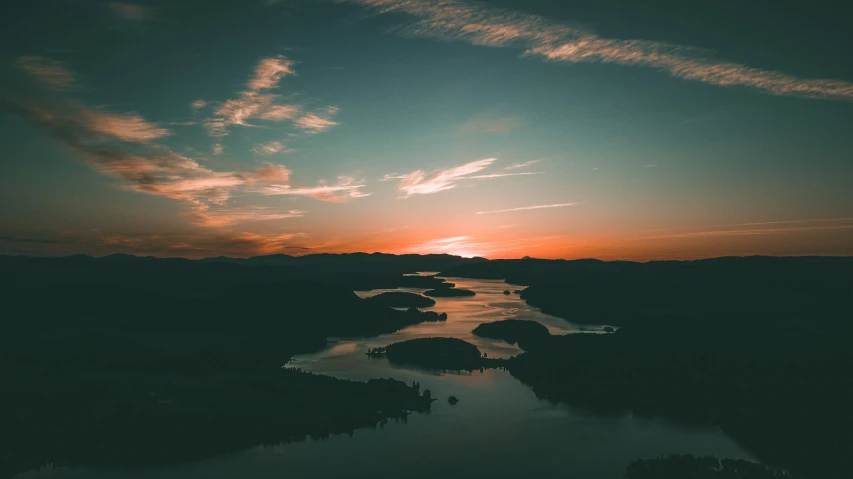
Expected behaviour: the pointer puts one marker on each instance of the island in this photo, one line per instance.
(513, 331)
(426, 316)
(449, 293)
(402, 299)
(436, 353)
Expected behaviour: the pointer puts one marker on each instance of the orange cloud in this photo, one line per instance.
(270, 148)
(274, 174)
(254, 104)
(129, 127)
(48, 72)
(317, 122)
(344, 190)
(230, 216)
(270, 71)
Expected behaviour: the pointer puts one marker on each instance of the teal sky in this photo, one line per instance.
(610, 129)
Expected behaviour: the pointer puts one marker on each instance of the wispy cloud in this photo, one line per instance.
(51, 73)
(128, 127)
(152, 169)
(392, 176)
(270, 148)
(317, 122)
(269, 72)
(521, 165)
(502, 175)
(419, 183)
(279, 112)
(130, 11)
(188, 245)
(345, 189)
(254, 102)
(198, 104)
(526, 208)
(123, 146)
(480, 24)
(230, 216)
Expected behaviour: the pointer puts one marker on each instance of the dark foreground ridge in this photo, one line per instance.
(619, 293)
(706, 467)
(129, 362)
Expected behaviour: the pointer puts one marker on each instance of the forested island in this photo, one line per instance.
(402, 299)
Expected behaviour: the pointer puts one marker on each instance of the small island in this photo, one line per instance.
(449, 293)
(402, 299)
(435, 353)
(426, 316)
(513, 331)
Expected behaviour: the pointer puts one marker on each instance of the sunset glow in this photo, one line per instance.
(421, 127)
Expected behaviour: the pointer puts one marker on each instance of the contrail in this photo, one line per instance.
(525, 208)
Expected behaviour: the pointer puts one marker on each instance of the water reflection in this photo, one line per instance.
(464, 314)
(499, 429)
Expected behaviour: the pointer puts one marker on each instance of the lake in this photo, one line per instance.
(499, 429)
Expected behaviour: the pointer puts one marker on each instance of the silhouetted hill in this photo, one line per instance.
(622, 292)
(136, 361)
(79, 257)
(361, 272)
(376, 263)
(780, 391)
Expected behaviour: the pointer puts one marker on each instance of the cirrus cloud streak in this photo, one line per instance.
(526, 208)
(539, 37)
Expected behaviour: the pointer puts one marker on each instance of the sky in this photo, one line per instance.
(606, 129)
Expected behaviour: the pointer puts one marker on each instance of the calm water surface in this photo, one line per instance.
(499, 429)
